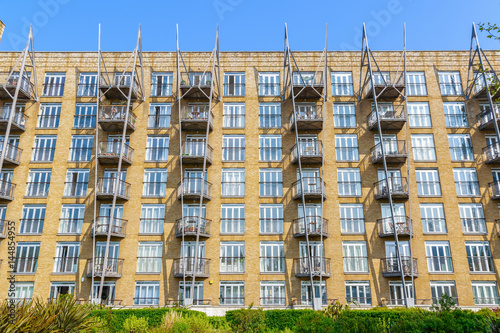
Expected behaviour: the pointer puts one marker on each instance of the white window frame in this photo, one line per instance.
(270, 148)
(352, 220)
(71, 221)
(349, 182)
(455, 115)
(76, 187)
(149, 257)
(233, 148)
(233, 115)
(271, 219)
(147, 293)
(358, 291)
(66, 257)
(53, 85)
(342, 84)
(269, 115)
(440, 288)
(38, 183)
(233, 182)
(270, 182)
(232, 219)
(485, 292)
(272, 293)
(269, 84)
(439, 258)
(157, 147)
(344, 115)
(415, 81)
(346, 147)
(272, 257)
(460, 147)
(44, 148)
(33, 218)
(479, 257)
(152, 219)
(85, 116)
(232, 257)
(159, 115)
(466, 182)
(423, 146)
(155, 183)
(450, 83)
(235, 88)
(428, 183)
(81, 148)
(165, 84)
(419, 115)
(430, 212)
(472, 218)
(232, 292)
(87, 85)
(49, 115)
(355, 257)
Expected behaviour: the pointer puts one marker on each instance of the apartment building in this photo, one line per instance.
(255, 174)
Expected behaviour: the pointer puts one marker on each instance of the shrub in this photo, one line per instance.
(135, 325)
(247, 320)
(315, 322)
(283, 319)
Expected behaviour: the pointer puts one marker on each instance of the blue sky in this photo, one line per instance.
(245, 25)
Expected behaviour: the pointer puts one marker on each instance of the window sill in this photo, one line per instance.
(74, 197)
(353, 233)
(482, 273)
(355, 273)
(434, 233)
(14, 273)
(430, 196)
(441, 273)
(231, 273)
(148, 273)
(151, 234)
(232, 196)
(41, 162)
(156, 161)
(232, 234)
(271, 234)
(475, 234)
(34, 197)
(83, 128)
(272, 273)
(423, 161)
(157, 128)
(78, 161)
(46, 128)
(68, 234)
(62, 273)
(153, 197)
(26, 234)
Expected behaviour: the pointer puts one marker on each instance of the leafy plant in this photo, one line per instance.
(247, 320)
(334, 310)
(444, 304)
(135, 325)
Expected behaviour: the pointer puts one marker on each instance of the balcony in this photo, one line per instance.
(307, 117)
(196, 85)
(319, 266)
(177, 302)
(315, 227)
(308, 84)
(9, 83)
(480, 85)
(403, 226)
(391, 268)
(118, 228)
(194, 117)
(189, 227)
(109, 153)
(308, 302)
(391, 118)
(18, 122)
(495, 189)
(7, 190)
(106, 189)
(394, 150)
(419, 302)
(118, 85)
(193, 152)
(485, 118)
(112, 118)
(12, 155)
(186, 267)
(398, 187)
(491, 153)
(386, 85)
(191, 189)
(314, 188)
(113, 267)
(310, 149)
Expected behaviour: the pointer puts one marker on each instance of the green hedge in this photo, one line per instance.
(116, 318)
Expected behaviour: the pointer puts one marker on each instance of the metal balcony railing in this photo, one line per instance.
(398, 186)
(387, 84)
(12, 154)
(235, 265)
(309, 116)
(119, 80)
(394, 150)
(10, 82)
(392, 117)
(25, 265)
(75, 189)
(313, 187)
(109, 151)
(231, 300)
(112, 117)
(177, 302)
(113, 267)
(19, 120)
(491, 153)
(7, 190)
(195, 150)
(390, 266)
(308, 301)
(118, 227)
(106, 188)
(191, 187)
(272, 264)
(196, 79)
(65, 265)
(495, 189)
(37, 189)
(485, 118)
(403, 226)
(276, 301)
(53, 89)
(314, 225)
(195, 117)
(481, 264)
(189, 226)
(320, 266)
(310, 149)
(303, 79)
(186, 267)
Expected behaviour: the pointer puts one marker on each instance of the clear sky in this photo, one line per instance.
(245, 25)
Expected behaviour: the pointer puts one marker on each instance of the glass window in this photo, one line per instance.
(38, 183)
(87, 85)
(76, 183)
(26, 257)
(198, 291)
(152, 219)
(81, 148)
(433, 219)
(428, 182)
(346, 147)
(479, 257)
(54, 84)
(455, 114)
(306, 293)
(270, 183)
(149, 257)
(440, 288)
(233, 115)
(359, 292)
(232, 257)
(423, 147)
(352, 219)
(157, 148)
(24, 290)
(472, 217)
(450, 83)
(44, 148)
(161, 84)
(485, 293)
(147, 293)
(344, 115)
(415, 82)
(270, 148)
(233, 182)
(71, 220)
(159, 115)
(66, 257)
(232, 220)
(419, 115)
(271, 219)
(460, 147)
(155, 183)
(49, 114)
(85, 116)
(233, 148)
(234, 84)
(355, 257)
(269, 115)
(349, 182)
(438, 257)
(466, 182)
(61, 288)
(272, 257)
(272, 293)
(269, 84)
(342, 84)
(232, 293)
(32, 219)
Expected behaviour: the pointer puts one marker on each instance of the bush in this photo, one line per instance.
(284, 319)
(135, 325)
(247, 320)
(315, 322)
